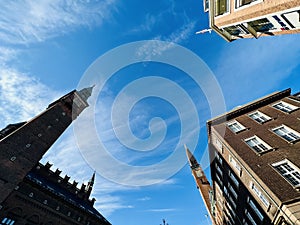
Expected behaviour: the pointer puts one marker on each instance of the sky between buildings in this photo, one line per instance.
(47, 46)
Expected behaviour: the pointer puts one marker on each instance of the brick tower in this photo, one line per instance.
(22, 145)
(203, 184)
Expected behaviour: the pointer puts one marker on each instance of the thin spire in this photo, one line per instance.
(192, 160)
(90, 184)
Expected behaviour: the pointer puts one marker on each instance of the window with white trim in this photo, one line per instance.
(259, 117)
(286, 133)
(257, 144)
(285, 107)
(289, 171)
(7, 221)
(235, 126)
(240, 3)
(259, 194)
(255, 209)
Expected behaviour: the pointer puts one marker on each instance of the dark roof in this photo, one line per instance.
(62, 193)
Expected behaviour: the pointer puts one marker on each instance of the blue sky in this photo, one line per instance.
(46, 48)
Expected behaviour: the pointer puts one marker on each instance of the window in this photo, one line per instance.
(233, 192)
(217, 143)
(285, 107)
(221, 7)
(258, 193)
(239, 3)
(259, 117)
(289, 171)
(233, 178)
(235, 165)
(262, 25)
(235, 126)
(255, 209)
(257, 144)
(218, 157)
(7, 221)
(287, 133)
(250, 217)
(236, 30)
(219, 170)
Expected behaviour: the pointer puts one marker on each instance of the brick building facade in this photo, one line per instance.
(255, 163)
(254, 150)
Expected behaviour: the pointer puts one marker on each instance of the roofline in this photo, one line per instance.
(250, 106)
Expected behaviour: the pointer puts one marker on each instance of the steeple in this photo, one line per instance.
(85, 93)
(90, 185)
(192, 160)
(202, 183)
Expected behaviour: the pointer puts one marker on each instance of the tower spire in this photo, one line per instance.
(192, 160)
(90, 185)
(85, 93)
(202, 183)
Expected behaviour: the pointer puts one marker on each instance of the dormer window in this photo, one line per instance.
(285, 107)
(235, 126)
(259, 117)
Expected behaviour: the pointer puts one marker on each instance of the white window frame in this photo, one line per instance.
(259, 117)
(239, 6)
(238, 127)
(290, 171)
(256, 144)
(287, 134)
(259, 194)
(286, 107)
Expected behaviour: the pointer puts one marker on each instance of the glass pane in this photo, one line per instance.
(261, 25)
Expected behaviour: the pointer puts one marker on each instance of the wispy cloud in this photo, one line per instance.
(27, 21)
(152, 49)
(144, 199)
(22, 96)
(162, 210)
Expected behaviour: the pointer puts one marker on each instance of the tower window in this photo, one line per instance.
(285, 107)
(7, 221)
(287, 133)
(259, 117)
(257, 144)
(289, 171)
(235, 126)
